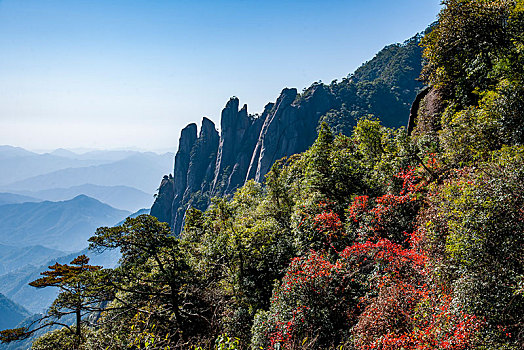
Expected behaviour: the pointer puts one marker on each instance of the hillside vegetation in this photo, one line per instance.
(377, 240)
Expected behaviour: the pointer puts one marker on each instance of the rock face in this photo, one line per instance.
(212, 165)
(193, 174)
(215, 165)
(288, 128)
(426, 113)
(240, 133)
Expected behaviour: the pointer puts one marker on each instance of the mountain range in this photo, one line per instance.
(51, 203)
(18, 164)
(11, 312)
(16, 257)
(120, 197)
(212, 164)
(13, 198)
(64, 225)
(62, 175)
(145, 168)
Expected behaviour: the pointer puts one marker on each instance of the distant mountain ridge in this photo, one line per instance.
(7, 151)
(145, 169)
(119, 197)
(62, 225)
(216, 164)
(18, 164)
(143, 211)
(13, 198)
(10, 313)
(32, 260)
(15, 257)
(23, 170)
(63, 174)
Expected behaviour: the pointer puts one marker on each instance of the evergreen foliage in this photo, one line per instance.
(376, 240)
(384, 86)
(81, 293)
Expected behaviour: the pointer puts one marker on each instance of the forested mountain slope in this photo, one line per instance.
(378, 240)
(212, 164)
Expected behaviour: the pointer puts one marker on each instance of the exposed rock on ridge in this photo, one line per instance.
(289, 128)
(240, 132)
(213, 165)
(194, 172)
(248, 145)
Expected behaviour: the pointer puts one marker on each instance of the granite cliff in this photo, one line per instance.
(215, 164)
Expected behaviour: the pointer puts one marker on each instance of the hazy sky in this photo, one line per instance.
(113, 74)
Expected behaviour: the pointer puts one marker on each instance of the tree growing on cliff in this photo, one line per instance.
(80, 294)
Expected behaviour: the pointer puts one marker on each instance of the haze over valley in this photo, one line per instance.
(338, 175)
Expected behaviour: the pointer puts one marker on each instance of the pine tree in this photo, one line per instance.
(80, 293)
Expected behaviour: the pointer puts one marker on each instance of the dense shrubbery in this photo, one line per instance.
(371, 241)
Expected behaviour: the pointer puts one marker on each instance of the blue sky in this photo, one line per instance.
(131, 74)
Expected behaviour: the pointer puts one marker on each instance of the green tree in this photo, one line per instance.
(318, 169)
(59, 339)
(474, 227)
(151, 276)
(241, 246)
(474, 60)
(81, 293)
(464, 47)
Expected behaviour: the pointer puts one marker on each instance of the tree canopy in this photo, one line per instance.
(373, 240)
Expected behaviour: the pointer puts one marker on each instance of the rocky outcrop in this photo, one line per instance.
(163, 206)
(212, 165)
(201, 170)
(193, 174)
(426, 112)
(414, 109)
(239, 135)
(200, 173)
(172, 189)
(289, 128)
(248, 145)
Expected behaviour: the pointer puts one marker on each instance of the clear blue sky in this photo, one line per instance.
(130, 73)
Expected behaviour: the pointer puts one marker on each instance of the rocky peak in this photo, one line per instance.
(171, 190)
(199, 174)
(286, 98)
(215, 165)
(243, 111)
(289, 128)
(229, 114)
(237, 139)
(188, 136)
(207, 129)
(187, 139)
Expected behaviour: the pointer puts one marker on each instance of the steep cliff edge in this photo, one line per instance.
(239, 134)
(213, 164)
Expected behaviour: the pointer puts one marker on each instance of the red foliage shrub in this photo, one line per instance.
(316, 300)
(405, 312)
(379, 293)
